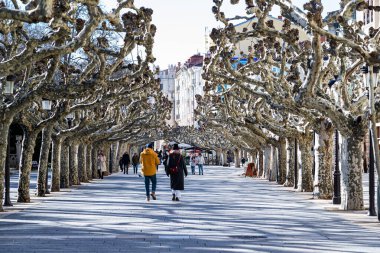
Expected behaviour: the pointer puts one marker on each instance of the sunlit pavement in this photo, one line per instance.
(220, 211)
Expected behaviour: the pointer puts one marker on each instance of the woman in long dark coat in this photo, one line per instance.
(177, 179)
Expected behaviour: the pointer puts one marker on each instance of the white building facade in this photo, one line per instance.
(188, 84)
(370, 18)
(167, 86)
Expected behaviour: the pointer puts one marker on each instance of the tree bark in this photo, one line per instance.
(324, 162)
(43, 161)
(65, 173)
(4, 130)
(261, 164)
(273, 170)
(289, 182)
(306, 144)
(237, 158)
(352, 189)
(94, 153)
(116, 157)
(267, 161)
(282, 160)
(82, 163)
(74, 176)
(89, 162)
(28, 145)
(56, 164)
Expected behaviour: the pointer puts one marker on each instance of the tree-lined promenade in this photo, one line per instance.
(221, 211)
(83, 78)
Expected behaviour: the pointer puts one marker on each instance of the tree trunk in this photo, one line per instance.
(282, 161)
(261, 164)
(28, 144)
(74, 176)
(289, 182)
(273, 170)
(267, 161)
(65, 173)
(82, 163)
(4, 130)
(237, 158)
(116, 157)
(324, 162)
(94, 153)
(306, 144)
(89, 162)
(352, 189)
(44, 160)
(218, 156)
(56, 164)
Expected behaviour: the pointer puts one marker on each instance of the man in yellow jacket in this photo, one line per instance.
(149, 161)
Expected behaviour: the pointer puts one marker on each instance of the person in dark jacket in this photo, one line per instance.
(177, 177)
(126, 162)
(135, 163)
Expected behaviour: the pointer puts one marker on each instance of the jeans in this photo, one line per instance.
(192, 170)
(147, 184)
(135, 168)
(101, 174)
(125, 167)
(200, 167)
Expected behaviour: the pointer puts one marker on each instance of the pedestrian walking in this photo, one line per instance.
(192, 165)
(135, 163)
(101, 164)
(176, 169)
(243, 161)
(201, 161)
(126, 162)
(121, 164)
(149, 161)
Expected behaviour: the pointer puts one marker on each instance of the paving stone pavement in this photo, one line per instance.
(220, 211)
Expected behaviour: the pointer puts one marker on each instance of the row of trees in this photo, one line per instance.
(94, 65)
(318, 88)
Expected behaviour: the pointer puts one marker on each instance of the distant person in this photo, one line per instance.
(176, 169)
(101, 164)
(201, 162)
(126, 162)
(121, 164)
(243, 161)
(192, 165)
(149, 161)
(135, 163)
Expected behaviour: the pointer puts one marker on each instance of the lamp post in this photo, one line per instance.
(9, 85)
(46, 104)
(336, 197)
(7, 198)
(368, 72)
(8, 91)
(69, 119)
(295, 164)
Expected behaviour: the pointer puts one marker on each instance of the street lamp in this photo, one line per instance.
(69, 118)
(46, 104)
(9, 85)
(7, 90)
(371, 172)
(337, 196)
(7, 198)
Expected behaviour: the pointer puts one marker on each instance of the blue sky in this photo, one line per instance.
(181, 25)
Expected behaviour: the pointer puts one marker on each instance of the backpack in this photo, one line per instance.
(174, 170)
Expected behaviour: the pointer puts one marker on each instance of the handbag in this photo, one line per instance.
(174, 170)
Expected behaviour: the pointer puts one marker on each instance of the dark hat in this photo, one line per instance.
(149, 145)
(175, 146)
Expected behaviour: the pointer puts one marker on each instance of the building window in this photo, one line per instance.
(161, 86)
